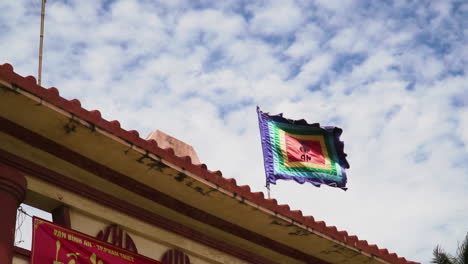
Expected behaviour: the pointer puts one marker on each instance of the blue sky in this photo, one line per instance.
(392, 74)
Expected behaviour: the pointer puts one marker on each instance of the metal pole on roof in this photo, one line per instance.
(41, 43)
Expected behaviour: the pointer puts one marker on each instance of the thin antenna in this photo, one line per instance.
(41, 43)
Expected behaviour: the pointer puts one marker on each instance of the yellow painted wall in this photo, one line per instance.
(89, 217)
(20, 260)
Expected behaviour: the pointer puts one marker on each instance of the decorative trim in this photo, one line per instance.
(128, 183)
(175, 256)
(114, 234)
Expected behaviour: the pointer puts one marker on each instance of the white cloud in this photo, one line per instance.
(375, 64)
(307, 42)
(314, 69)
(276, 18)
(212, 27)
(335, 5)
(463, 129)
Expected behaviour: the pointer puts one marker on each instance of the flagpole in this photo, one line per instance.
(268, 190)
(41, 43)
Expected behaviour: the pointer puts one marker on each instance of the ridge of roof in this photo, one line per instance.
(73, 106)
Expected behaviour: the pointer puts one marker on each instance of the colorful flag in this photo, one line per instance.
(296, 150)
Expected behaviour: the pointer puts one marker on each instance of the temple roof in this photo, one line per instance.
(52, 96)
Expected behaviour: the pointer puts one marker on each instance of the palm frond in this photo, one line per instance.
(441, 257)
(462, 252)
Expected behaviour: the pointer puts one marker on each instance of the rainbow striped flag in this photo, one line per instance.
(296, 150)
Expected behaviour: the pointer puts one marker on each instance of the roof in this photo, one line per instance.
(180, 148)
(52, 96)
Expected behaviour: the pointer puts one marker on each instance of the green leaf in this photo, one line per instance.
(440, 257)
(462, 252)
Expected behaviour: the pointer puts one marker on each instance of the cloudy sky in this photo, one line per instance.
(392, 74)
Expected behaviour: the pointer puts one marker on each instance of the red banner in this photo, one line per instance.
(53, 244)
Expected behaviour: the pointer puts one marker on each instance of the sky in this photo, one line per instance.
(392, 74)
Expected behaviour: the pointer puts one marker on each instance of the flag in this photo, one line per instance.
(296, 150)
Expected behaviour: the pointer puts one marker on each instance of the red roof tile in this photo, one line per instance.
(73, 106)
